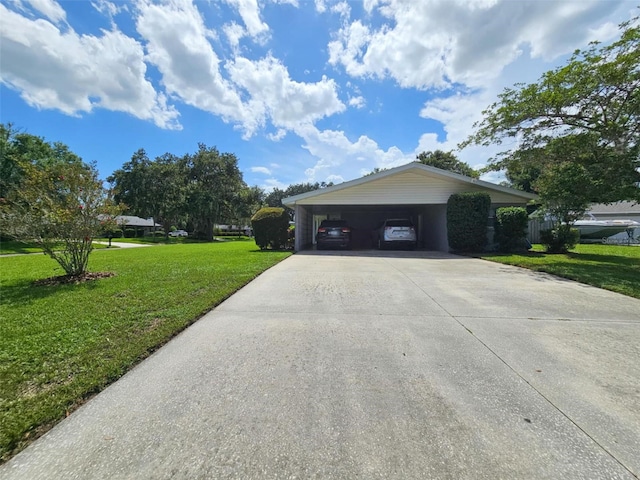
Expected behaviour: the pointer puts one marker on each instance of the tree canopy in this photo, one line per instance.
(447, 161)
(585, 113)
(19, 149)
(199, 189)
(274, 198)
(52, 198)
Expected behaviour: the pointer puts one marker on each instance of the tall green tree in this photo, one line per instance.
(447, 161)
(214, 184)
(133, 183)
(155, 189)
(20, 149)
(275, 197)
(586, 112)
(168, 192)
(374, 171)
(246, 204)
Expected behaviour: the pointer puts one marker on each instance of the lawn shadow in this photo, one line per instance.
(505, 254)
(596, 257)
(27, 291)
(271, 250)
(614, 276)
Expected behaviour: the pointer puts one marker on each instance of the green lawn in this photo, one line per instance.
(613, 267)
(61, 344)
(12, 247)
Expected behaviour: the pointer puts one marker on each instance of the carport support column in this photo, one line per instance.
(299, 219)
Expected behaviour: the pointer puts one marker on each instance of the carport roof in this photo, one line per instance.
(426, 174)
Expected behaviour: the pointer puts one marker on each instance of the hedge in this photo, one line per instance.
(270, 227)
(467, 216)
(511, 229)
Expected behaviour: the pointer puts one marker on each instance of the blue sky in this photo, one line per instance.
(299, 90)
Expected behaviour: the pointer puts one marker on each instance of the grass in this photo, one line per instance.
(612, 267)
(12, 247)
(62, 344)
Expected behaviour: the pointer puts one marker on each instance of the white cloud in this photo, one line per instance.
(335, 179)
(369, 5)
(107, 8)
(70, 73)
(279, 135)
(357, 102)
(264, 170)
(250, 13)
(178, 45)
(272, 183)
(256, 91)
(321, 6)
(457, 114)
(50, 9)
(336, 153)
(342, 8)
(434, 43)
(234, 33)
(274, 94)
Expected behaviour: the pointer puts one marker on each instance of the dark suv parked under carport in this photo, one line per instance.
(333, 233)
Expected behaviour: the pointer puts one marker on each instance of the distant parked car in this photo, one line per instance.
(397, 233)
(333, 233)
(179, 233)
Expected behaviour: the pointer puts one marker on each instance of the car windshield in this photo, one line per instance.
(399, 223)
(333, 223)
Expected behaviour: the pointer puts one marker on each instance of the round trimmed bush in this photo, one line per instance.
(270, 227)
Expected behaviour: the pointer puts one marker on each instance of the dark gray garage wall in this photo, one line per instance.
(434, 228)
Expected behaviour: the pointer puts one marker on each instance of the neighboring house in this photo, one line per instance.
(131, 221)
(601, 211)
(616, 211)
(619, 211)
(230, 228)
(414, 190)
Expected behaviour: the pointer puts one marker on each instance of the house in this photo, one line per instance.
(131, 221)
(414, 190)
(616, 211)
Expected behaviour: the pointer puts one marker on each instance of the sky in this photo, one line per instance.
(298, 90)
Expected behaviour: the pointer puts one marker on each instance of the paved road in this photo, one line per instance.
(400, 366)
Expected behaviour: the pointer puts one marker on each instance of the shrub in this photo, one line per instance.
(270, 225)
(511, 229)
(559, 239)
(291, 241)
(467, 216)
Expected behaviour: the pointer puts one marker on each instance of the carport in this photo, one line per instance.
(414, 190)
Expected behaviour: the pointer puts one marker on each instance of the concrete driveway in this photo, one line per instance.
(400, 365)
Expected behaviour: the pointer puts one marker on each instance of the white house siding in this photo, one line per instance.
(408, 188)
(411, 191)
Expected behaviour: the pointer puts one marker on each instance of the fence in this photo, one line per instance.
(536, 225)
